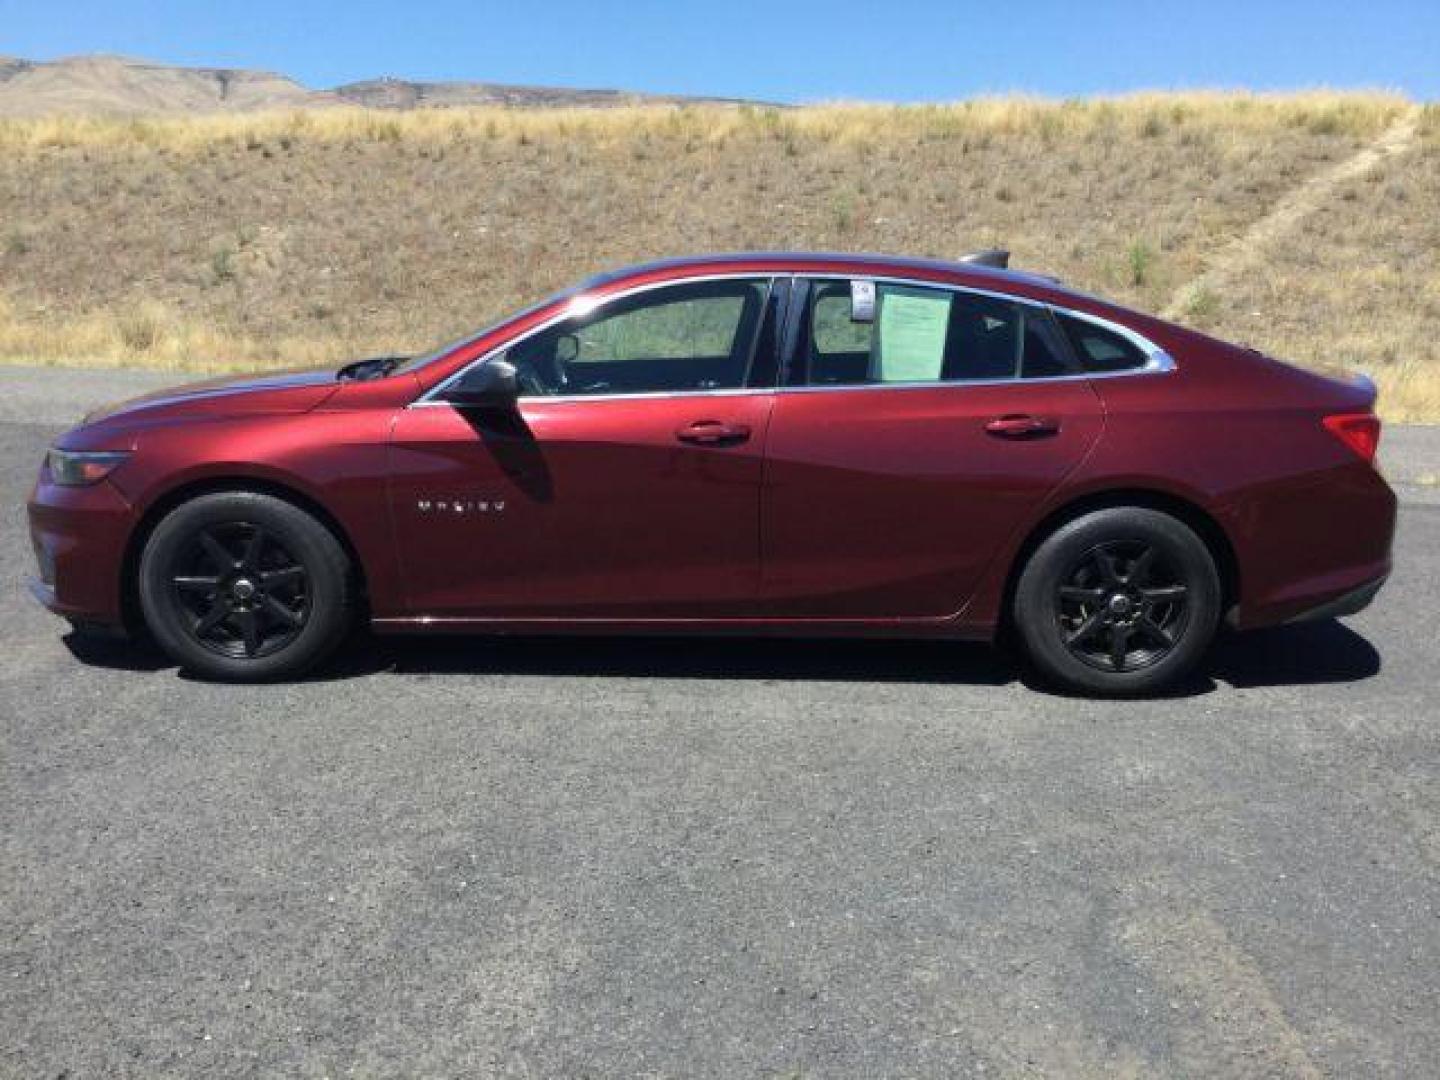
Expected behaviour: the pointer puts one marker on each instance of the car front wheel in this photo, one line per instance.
(243, 586)
(1119, 602)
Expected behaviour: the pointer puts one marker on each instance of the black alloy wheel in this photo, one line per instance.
(1122, 607)
(1118, 602)
(246, 586)
(244, 591)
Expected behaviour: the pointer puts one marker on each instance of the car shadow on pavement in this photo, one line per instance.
(786, 659)
(1306, 654)
(115, 652)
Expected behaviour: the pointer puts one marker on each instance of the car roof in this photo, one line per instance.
(823, 261)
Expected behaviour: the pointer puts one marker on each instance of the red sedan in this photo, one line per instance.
(781, 444)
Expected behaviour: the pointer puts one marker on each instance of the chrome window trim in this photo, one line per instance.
(1158, 361)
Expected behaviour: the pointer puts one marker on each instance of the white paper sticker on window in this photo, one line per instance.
(913, 325)
(862, 301)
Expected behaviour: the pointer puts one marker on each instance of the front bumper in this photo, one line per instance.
(42, 591)
(80, 535)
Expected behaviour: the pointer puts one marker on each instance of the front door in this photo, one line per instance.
(906, 448)
(626, 485)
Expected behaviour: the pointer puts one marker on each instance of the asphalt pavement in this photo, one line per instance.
(537, 858)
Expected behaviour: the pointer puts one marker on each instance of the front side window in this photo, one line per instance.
(690, 337)
(923, 334)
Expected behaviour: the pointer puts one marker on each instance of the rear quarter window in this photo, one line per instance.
(1100, 350)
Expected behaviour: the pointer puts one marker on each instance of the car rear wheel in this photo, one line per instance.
(1119, 602)
(244, 586)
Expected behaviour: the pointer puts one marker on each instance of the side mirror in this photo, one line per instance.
(492, 385)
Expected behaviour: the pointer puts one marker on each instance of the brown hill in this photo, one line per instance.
(391, 93)
(115, 85)
(110, 85)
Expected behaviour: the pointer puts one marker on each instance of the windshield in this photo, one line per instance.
(415, 362)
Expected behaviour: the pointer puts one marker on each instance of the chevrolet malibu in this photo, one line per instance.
(791, 444)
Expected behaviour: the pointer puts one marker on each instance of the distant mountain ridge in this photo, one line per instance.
(117, 85)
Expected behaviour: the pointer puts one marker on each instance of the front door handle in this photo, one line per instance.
(713, 433)
(1022, 426)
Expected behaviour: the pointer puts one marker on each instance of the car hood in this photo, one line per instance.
(280, 392)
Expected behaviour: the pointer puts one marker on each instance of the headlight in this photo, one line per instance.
(76, 468)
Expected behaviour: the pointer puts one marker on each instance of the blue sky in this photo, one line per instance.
(783, 50)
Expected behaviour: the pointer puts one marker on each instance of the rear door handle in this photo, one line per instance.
(713, 433)
(1022, 426)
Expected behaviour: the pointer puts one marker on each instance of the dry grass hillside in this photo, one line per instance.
(273, 239)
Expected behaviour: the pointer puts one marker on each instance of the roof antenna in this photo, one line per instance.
(995, 258)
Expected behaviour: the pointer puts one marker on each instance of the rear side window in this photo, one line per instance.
(923, 334)
(834, 332)
(1101, 350)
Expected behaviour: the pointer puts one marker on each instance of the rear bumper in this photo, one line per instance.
(1348, 603)
(1312, 547)
(1340, 592)
(79, 535)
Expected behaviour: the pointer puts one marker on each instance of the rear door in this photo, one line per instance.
(626, 485)
(905, 449)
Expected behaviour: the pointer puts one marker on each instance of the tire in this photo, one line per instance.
(1098, 615)
(244, 587)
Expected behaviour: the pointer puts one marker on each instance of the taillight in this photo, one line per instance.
(1359, 431)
